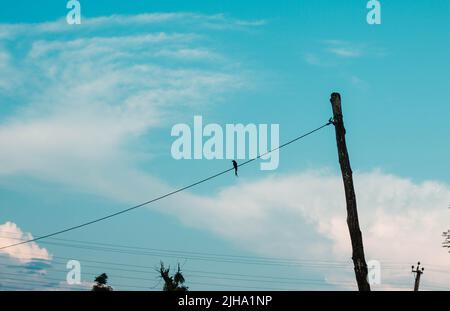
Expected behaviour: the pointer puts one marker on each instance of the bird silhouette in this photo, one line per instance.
(235, 166)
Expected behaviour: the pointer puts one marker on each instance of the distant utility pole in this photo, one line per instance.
(418, 273)
(359, 260)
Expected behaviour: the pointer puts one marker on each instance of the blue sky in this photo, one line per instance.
(86, 113)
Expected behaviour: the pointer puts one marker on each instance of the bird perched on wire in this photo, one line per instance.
(235, 166)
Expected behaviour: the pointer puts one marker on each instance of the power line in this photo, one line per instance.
(217, 276)
(222, 260)
(179, 252)
(167, 194)
(206, 256)
(194, 274)
(209, 257)
(48, 284)
(91, 274)
(175, 253)
(243, 278)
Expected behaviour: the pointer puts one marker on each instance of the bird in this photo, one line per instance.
(235, 166)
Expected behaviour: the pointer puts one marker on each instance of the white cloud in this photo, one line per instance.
(330, 53)
(121, 22)
(10, 75)
(343, 48)
(312, 59)
(260, 22)
(345, 52)
(303, 216)
(95, 46)
(348, 49)
(359, 83)
(215, 21)
(25, 253)
(87, 100)
(190, 54)
(4, 59)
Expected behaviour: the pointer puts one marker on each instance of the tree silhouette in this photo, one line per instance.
(172, 283)
(446, 236)
(101, 284)
(446, 242)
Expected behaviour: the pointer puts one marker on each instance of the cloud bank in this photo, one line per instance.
(10, 233)
(303, 216)
(82, 101)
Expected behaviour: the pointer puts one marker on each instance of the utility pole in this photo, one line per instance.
(358, 258)
(418, 273)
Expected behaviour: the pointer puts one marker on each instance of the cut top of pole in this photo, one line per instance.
(358, 258)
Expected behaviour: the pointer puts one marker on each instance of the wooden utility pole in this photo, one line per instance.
(418, 273)
(352, 213)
